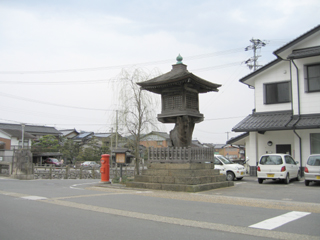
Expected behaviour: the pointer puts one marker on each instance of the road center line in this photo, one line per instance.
(275, 222)
(184, 222)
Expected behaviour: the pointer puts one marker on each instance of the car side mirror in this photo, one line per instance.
(297, 162)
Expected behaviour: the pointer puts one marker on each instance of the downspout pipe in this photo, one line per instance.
(294, 129)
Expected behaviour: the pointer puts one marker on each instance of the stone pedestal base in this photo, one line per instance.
(23, 176)
(183, 177)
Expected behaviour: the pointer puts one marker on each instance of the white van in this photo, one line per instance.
(277, 166)
(230, 169)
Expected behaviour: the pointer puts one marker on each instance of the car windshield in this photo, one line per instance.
(271, 160)
(87, 162)
(314, 160)
(224, 160)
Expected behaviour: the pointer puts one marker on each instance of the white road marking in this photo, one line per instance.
(275, 222)
(34, 198)
(74, 185)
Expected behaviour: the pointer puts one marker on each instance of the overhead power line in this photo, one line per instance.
(123, 66)
(53, 104)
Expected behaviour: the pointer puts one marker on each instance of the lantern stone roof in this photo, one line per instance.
(177, 77)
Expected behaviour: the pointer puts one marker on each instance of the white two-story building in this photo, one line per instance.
(286, 118)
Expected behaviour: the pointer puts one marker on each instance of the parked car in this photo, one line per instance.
(231, 170)
(312, 169)
(90, 164)
(52, 161)
(277, 166)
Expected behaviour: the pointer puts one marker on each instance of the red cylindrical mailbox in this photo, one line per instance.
(105, 168)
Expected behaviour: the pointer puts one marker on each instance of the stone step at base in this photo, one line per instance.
(180, 187)
(180, 179)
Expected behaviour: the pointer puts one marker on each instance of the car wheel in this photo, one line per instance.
(287, 180)
(306, 182)
(239, 178)
(230, 176)
(298, 176)
(260, 180)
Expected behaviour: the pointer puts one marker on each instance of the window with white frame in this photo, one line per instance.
(312, 78)
(277, 92)
(314, 143)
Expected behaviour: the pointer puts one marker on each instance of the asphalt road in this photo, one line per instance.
(83, 209)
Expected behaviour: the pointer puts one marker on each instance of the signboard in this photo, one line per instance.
(120, 158)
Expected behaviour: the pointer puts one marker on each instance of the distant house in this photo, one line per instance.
(69, 133)
(36, 131)
(12, 139)
(231, 152)
(155, 139)
(13, 132)
(83, 137)
(286, 118)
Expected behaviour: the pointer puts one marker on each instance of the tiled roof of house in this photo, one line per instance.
(36, 130)
(271, 121)
(306, 52)
(103, 135)
(237, 138)
(67, 131)
(298, 39)
(18, 133)
(83, 135)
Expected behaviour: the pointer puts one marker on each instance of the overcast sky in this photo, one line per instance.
(59, 59)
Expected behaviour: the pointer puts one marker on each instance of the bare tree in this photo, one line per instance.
(137, 108)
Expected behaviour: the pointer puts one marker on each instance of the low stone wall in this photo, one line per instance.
(68, 172)
(65, 173)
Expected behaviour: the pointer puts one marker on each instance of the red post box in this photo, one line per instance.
(105, 168)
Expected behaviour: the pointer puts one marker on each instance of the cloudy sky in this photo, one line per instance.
(59, 59)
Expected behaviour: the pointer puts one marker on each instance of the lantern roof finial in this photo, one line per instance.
(179, 59)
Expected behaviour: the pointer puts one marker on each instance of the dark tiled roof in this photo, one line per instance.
(306, 52)
(178, 75)
(36, 130)
(306, 121)
(18, 133)
(271, 121)
(237, 138)
(83, 135)
(264, 121)
(297, 40)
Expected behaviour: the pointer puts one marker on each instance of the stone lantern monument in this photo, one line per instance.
(180, 167)
(179, 91)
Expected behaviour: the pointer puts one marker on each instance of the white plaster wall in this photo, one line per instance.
(278, 73)
(259, 142)
(276, 137)
(305, 146)
(5, 136)
(251, 149)
(14, 141)
(309, 102)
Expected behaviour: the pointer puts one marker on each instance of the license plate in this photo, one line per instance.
(242, 173)
(270, 175)
(318, 177)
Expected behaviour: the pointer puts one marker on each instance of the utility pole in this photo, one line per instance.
(227, 135)
(111, 136)
(253, 61)
(117, 129)
(22, 137)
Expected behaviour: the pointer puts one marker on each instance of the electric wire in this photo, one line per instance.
(53, 104)
(195, 57)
